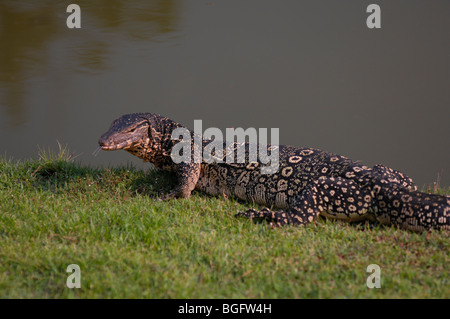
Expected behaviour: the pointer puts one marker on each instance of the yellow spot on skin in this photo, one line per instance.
(306, 152)
(295, 159)
(282, 185)
(287, 171)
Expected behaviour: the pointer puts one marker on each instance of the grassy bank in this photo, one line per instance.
(54, 212)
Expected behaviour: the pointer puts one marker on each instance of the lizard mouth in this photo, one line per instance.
(114, 147)
(110, 147)
(104, 147)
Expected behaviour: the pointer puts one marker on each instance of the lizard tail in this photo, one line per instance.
(411, 210)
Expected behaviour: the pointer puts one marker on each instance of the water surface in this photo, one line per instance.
(311, 68)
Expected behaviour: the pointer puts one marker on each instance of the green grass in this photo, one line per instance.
(55, 212)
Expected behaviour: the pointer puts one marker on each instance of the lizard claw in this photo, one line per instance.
(167, 196)
(250, 213)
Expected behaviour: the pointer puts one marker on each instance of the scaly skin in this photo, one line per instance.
(308, 183)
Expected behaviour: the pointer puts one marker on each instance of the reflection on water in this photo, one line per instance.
(24, 33)
(310, 68)
(28, 29)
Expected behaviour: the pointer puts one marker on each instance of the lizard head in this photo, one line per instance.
(125, 132)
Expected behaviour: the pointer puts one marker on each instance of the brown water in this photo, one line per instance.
(311, 68)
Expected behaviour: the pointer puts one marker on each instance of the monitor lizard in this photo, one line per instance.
(308, 183)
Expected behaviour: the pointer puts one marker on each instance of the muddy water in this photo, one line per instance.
(310, 68)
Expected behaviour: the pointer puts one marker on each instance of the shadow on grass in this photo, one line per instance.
(65, 176)
(58, 175)
(153, 183)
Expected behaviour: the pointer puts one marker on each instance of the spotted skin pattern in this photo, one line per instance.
(308, 183)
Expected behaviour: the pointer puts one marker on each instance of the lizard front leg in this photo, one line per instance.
(187, 175)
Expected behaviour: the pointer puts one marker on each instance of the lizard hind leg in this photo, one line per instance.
(394, 177)
(333, 197)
